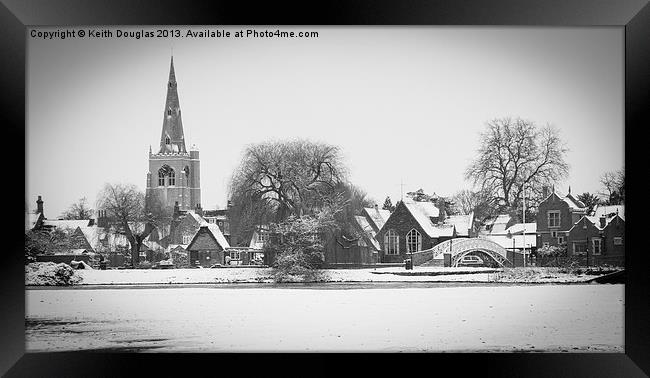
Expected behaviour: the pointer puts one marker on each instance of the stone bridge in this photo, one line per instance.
(460, 247)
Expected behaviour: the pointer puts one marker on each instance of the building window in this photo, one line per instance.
(413, 241)
(235, 255)
(186, 170)
(618, 241)
(560, 239)
(546, 244)
(554, 234)
(391, 242)
(226, 228)
(262, 236)
(595, 242)
(167, 140)
(579, 248)
(554, 218)
(169, 111)
(212, 220)
(143, 254)
(187, 239)
(172, 177)
(161, 178)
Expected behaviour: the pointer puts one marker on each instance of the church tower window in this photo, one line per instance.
(172, 177)
(167, 140)
(161, 178)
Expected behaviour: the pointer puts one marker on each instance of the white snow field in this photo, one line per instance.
(548, 318)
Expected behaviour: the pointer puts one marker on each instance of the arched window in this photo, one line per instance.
(413, 241)
(172, 177)
(186, 170)
(169, 111)
(161, 178)
(391, 242)
(167, 140)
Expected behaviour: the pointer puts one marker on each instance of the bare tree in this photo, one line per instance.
(479, 202)
(614, 185)
(515, 154)
(290, 177)
(126, 214)
(78, 210)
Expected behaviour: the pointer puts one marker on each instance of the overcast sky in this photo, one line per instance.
(403, 103)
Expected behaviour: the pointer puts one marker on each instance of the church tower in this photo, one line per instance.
(174, 174)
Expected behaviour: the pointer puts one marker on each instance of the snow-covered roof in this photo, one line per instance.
(92, 235)
(596, 220)
(609, 211)
(63, 224)
(518, 228)
(423, 212)
(378, 216)
(196, 216)
(216, 232)
(363, 223)
(31, 220)
(506, 242)
(573, 202)
(77, 251)
(498, 224)
(99, 239)
(462, 222)
(368, 230)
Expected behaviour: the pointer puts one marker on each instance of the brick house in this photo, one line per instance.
(556, 215)
(184, 225)
(413, 226)
(598, 239)
(207, 246)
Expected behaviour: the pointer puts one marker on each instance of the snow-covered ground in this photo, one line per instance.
(555, 318)
(261, 275)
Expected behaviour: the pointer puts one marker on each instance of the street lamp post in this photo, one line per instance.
(524, 219)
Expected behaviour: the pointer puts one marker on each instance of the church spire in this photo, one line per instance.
(172, 138)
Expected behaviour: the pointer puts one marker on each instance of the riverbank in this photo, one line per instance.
(266, 275)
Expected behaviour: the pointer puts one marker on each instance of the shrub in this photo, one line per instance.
(298, 248)
(50, 274)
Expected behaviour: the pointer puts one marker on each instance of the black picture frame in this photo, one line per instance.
(17, 15)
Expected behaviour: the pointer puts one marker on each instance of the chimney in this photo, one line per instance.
(602, 222)
(39, 205)
(101, 218)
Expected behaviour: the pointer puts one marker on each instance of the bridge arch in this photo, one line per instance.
(459, 247)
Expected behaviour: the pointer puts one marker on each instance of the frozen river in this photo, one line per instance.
(431, 318)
